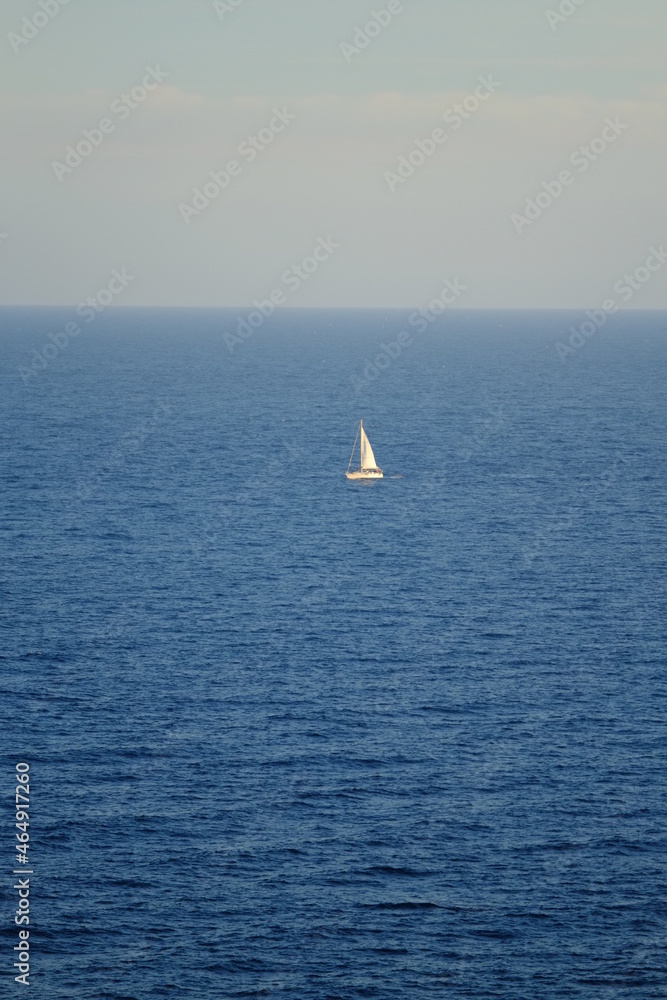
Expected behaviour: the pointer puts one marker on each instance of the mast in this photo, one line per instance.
(352, 455)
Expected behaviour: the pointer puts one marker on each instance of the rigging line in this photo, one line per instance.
(353, 447)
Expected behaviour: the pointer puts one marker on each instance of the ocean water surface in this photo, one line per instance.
(291, 736)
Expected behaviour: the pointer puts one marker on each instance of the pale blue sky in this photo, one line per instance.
(326, 174)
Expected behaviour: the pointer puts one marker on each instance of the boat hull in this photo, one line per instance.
(364, 475)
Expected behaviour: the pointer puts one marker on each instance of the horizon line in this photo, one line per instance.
(284, 309)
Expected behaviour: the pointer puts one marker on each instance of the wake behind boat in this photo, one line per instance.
(368, 467)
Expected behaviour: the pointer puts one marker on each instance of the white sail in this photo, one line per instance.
(367, 456)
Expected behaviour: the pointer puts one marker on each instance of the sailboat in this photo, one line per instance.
(368, 467)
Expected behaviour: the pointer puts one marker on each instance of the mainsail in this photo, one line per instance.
(367, 456)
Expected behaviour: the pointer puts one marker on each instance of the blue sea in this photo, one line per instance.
(291, 736)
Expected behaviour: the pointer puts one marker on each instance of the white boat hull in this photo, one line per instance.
(365, 474)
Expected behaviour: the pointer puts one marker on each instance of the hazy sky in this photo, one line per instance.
(592, 78)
